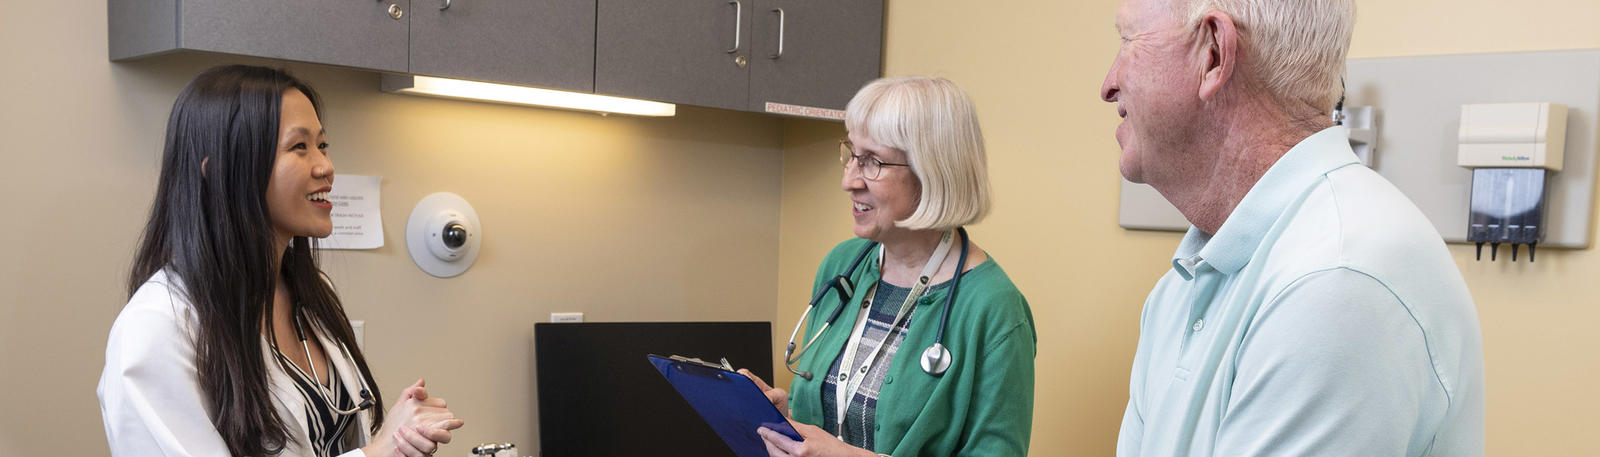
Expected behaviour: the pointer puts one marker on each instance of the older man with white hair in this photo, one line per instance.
(1311, 309)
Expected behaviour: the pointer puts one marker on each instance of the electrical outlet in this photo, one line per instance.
(566, 317)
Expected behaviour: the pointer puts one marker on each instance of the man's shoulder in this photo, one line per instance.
(1356, 221)
(1354, 218)
(1356, 232)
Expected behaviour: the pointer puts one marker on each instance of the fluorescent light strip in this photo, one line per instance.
(521, 95)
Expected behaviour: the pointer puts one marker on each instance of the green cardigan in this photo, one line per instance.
(982, 406)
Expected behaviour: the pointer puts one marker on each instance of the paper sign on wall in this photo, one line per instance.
(357, 224)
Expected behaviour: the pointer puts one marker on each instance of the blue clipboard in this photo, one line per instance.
(729, 402)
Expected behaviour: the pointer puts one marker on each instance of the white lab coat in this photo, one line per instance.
(150, 397)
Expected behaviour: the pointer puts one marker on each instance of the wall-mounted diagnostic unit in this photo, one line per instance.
(1511, 149)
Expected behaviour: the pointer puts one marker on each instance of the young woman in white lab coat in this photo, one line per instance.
(233, 341)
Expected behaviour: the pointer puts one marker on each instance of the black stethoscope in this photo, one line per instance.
(935, 359)
(323, 391)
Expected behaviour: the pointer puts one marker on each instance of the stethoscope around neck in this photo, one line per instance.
(323, 391)
(935, 359)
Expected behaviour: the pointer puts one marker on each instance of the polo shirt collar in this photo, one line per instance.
(1236, 242)
(1187, 261)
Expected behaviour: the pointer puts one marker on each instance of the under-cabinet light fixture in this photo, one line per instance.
(522, 95)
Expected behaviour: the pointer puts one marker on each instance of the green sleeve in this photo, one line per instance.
(1002, 416)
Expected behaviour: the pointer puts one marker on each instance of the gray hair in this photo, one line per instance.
(1298, 45)
(935, 124)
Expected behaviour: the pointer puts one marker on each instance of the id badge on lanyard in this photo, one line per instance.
(847, 382)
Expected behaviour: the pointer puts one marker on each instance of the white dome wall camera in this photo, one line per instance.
(443, 235)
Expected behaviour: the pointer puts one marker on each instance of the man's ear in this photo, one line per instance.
(203, 163)
(1218, 43)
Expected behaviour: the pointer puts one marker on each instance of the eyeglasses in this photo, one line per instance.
(871, 167)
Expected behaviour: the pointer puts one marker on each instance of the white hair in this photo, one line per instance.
(935, 124)
(1298, 46)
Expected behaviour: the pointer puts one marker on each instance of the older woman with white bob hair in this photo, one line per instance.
(935, 354)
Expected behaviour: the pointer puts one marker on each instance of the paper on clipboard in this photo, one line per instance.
(729, 402)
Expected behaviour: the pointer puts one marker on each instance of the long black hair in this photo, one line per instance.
(212, 231)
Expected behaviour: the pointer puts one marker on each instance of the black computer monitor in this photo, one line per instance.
(600, 397)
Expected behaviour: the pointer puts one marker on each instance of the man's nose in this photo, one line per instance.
(1108, 88)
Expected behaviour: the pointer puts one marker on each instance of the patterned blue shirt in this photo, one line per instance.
(861, 414)
(1325, 317)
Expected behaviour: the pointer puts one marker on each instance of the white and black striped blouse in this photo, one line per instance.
(331, 432)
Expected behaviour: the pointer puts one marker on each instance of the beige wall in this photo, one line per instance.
(564, 196)
(1034, 67)
(611, 216)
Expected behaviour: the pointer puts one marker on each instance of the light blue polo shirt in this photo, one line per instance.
(1325, 318)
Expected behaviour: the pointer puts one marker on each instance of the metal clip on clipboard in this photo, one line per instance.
(723, 366)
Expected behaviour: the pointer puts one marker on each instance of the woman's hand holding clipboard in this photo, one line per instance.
(729, 401)
(816, 442)
(778, 397)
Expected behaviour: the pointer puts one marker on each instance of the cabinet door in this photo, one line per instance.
(352, 33)
(674, 51)
(830, 49)
(545, 43)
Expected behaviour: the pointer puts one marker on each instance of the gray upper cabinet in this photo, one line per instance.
(544, 43)
(725, 53)
(751, 55)
(830, 48)
(353, 33)
(678, 51)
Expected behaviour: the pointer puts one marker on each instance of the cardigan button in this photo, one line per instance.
(888, 379)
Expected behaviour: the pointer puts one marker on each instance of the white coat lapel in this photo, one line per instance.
(291, 406)
(351, 380)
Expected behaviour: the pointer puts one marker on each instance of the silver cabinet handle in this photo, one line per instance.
(445, 6)
(738, 16)
(780, 33)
